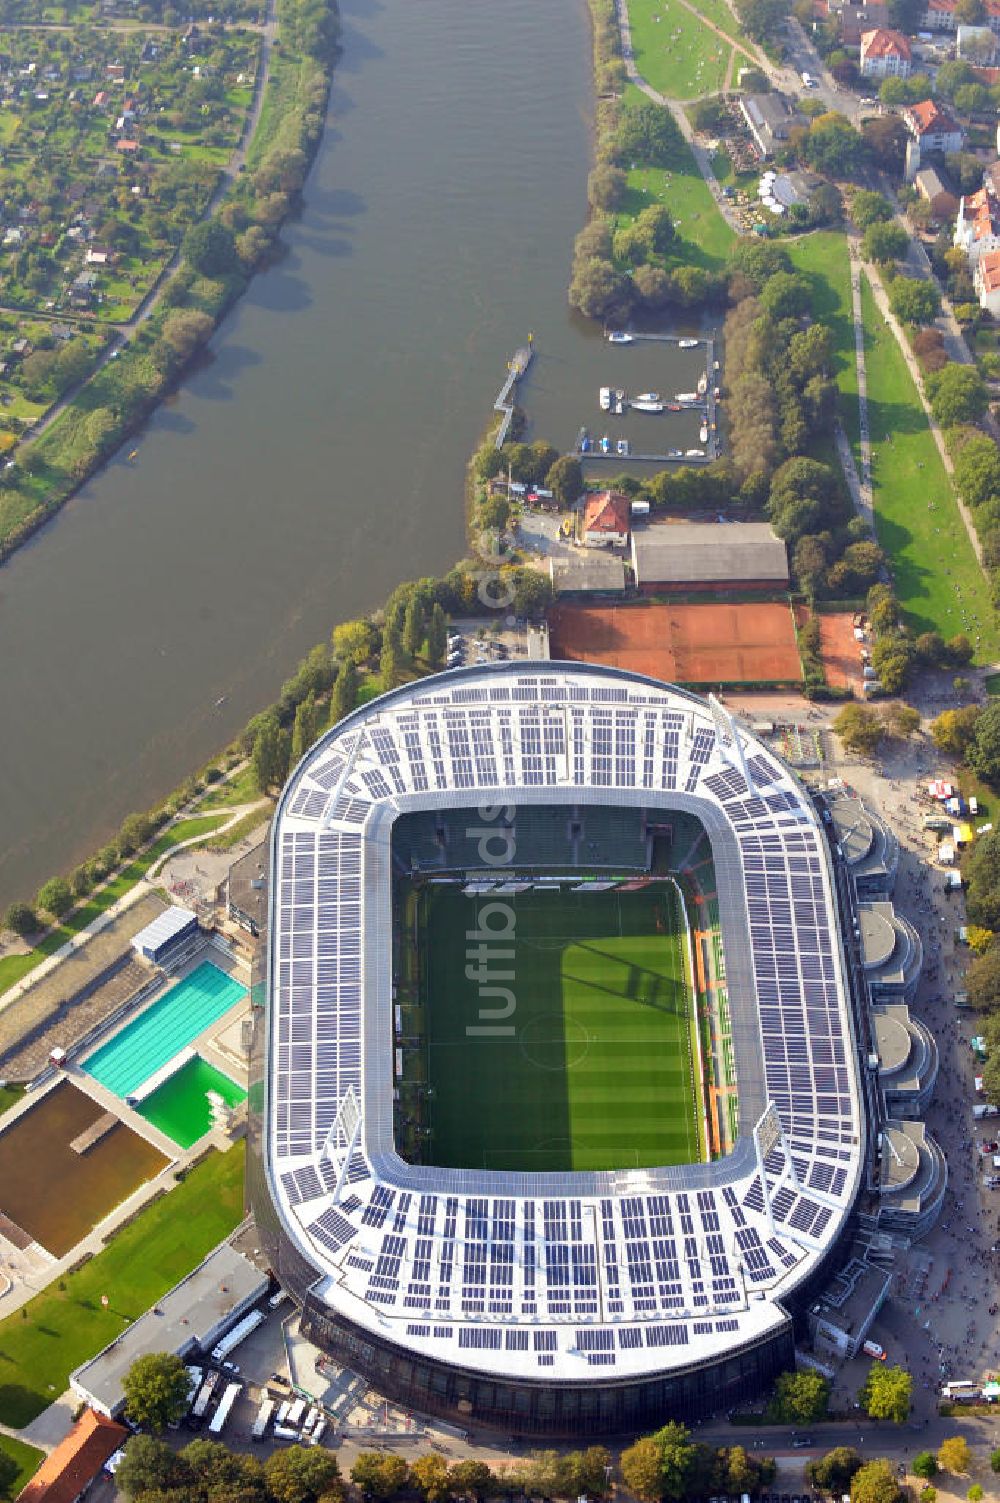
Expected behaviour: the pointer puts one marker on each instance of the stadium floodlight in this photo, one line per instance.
(728, 737)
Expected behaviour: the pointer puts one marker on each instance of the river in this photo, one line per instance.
(318, 458)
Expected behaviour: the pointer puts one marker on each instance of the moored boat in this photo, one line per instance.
(686, 396)
(694, 453)
(605, 444)
(643, 404)
(622, 446)
(620, 336)
(605, 398)
(687, 344)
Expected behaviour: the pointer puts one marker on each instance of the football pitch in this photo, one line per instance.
(593, 1068)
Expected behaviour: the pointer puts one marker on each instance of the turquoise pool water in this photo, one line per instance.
(145, 1046)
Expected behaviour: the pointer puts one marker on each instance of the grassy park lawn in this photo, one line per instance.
(10, 1095)
(822, 258)
(937, 577)
(239, 789)
(66, 1325)
(14, 967)
(675, 52)
(26, 1458)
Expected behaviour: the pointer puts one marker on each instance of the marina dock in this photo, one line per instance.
(503, 404)
(706, 405)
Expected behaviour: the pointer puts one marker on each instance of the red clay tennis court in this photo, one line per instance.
(751, 642)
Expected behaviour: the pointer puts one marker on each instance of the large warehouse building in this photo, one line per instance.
(556, 1258)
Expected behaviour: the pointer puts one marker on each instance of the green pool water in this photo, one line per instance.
(179, 1107)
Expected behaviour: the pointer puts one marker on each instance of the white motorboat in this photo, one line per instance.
(686, 396)
(605, 445)
(703, 433)
(622, 446)
(644, 404)
(694, 454)
(618, 402)
(605, 398)
(702, 384)
(648, 396)
(687, 344)
(620, 336)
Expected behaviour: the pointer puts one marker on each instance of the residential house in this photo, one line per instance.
(128, 145)
(932, 188)
(932, 128)
(99, 255)
(940, 16)
(885, 54)
(986, 280)
(607, 520)
(977, 228)
(857, 17)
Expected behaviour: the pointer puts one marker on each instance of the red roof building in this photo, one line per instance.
(885, 54)
(607, 520)
(933, 127)
(65, 1475)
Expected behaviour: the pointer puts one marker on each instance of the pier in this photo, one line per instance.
(705, 458)
(707, 406)
(92, 1135)
(503, 404)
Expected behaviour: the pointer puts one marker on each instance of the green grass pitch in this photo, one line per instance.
(597, 1070)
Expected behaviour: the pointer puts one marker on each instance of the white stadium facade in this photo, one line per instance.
(557, 1304)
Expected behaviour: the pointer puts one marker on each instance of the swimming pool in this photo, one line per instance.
(180, 1107)
(145, 1045)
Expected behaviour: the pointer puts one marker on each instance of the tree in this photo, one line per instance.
(887, 1392)
(344, 696)
(804, 496)
(995, 1460)
(379, 1474)
(565, 480)
(677, 1456)
(925, 1465)
(55, 896)
(914, 301)
(833, 1472)
(761, 19)
(647, 133)
(868, 208)
(9, 1473)
(954, 1455)
(21, 919)
(302, 1474)
(304, 730)
(135, 830)
(901, 720)
(875, 1483)
(952, 730)
(156, 1390)
(976, 1493)
(809, 353)
(590, 1471)
(809, 564)
(471, 1479)
(437, 637)
(860, 729)
(977, 470)
(641, 1469)
(957, 393)
(606, 187)
(413, 625)
(391, 662)
(884, 242)
(885, 139)
(265, 756)
(597, 289)
(354, 640)
(927, 1494)
(983, 751)
(656, 225)
(210, 248)
(982, 903)
(785, 295)
(800, 1397)
(148, 1465)
(970, 12)
(431, 1475)
(221, 1476)
(833, 146)
(184, 330)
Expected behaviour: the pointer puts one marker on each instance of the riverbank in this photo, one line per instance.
(219, 256)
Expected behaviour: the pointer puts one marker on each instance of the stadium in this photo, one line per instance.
(557, 1120)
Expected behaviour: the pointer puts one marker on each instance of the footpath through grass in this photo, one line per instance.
(14, 967)
(593, 1068)
(675, 52)
(41, 1344)
(938, 580)
(26, 1458)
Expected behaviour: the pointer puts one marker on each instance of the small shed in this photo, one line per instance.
(167, 931)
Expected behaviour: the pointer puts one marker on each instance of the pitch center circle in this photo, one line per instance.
(552, 1042)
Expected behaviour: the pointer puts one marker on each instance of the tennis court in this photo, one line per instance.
(715, 643)
(593, 1068)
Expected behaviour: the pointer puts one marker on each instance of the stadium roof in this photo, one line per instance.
(703, 552)
(590, 1276)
